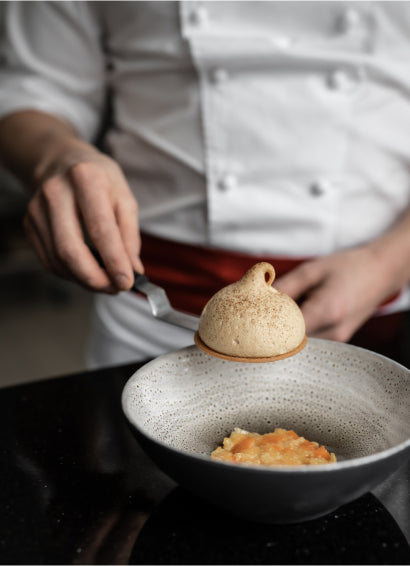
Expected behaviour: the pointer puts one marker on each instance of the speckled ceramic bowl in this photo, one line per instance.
(355, 402)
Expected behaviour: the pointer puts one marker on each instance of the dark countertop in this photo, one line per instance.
(78, 489)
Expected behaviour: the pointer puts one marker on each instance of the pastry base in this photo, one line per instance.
(208, 350)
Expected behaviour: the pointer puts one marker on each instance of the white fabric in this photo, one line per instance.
(270, 127)
(124, 330)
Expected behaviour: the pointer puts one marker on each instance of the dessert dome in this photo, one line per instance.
(250, 320)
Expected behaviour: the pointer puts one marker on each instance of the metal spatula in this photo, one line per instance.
(160, 306)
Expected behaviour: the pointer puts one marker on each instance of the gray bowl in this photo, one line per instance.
(355, 402)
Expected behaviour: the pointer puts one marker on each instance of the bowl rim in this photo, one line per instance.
(258, 468)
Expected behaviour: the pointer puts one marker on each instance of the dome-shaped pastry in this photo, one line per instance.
(252, 321)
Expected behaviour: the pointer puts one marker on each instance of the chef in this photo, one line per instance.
(193, 139)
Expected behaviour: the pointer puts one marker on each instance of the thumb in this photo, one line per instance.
(300, 280)
(314, 314)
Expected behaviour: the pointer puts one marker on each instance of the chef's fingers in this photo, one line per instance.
(67, 234)
(37, 244)
(326, 315)
(300, 280)
(127, 218)
(339, 333)
(37, 227)
(332, 333)
(339, 327)
(97, 194)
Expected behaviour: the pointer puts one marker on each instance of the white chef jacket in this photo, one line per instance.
(278, 128)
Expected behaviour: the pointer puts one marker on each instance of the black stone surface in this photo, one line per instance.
(193, 532)
(76, 488)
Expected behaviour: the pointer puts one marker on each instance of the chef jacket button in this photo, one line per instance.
(319, 188)
(227, 182)
(198, 16)
(351, 20)
(342, 81)
(282, 42)
(219, 75)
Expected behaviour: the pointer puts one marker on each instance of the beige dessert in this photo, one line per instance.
(252, 321)
(279, 448)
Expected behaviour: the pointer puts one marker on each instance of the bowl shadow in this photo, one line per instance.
(184, 529)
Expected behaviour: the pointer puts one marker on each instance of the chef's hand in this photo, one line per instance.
(85, 192)
(79, 194)
(339, 292)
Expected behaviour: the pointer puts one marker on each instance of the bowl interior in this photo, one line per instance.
(353, 401)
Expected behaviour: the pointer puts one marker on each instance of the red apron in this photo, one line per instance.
(191, 274)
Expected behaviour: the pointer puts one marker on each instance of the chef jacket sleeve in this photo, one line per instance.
(52, 61)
